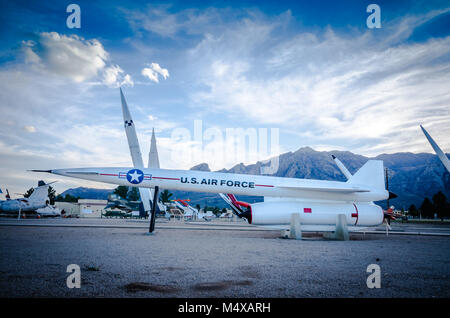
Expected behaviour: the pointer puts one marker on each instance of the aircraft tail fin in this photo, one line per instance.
(40, 194)
(371, 175)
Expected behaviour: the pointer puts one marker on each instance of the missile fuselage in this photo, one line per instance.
(216, 182)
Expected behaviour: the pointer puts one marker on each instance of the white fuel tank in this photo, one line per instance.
(272, 213)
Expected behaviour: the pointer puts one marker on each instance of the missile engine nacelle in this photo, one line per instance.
(274, 213)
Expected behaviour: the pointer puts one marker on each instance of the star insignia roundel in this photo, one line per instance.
(135, 176)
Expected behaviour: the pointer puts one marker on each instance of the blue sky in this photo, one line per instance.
(311, 69)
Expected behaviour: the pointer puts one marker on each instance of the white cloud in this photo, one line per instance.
(127, 80)
(158, 123)
(162, 71)
(30, 56)
(73, 57)
(368, 94)
(113, 76)
(159, 20)
(153, 70)
(30, 129)
(151, 74)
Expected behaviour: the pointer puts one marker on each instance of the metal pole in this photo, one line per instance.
(153, 212)
(387, 184)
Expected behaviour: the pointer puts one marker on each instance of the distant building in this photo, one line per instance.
(68, 208)
(84, 208)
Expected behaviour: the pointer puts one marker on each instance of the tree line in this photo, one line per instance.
(437, 205)
(122, 191)
(133, 195)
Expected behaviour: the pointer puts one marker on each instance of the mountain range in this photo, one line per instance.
(411, 176)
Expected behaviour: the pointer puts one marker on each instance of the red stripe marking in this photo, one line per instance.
(307, 210)
(357, 214)
(108, 174)
(263, 185)
(166, 178)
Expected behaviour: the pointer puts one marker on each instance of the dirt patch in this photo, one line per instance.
(250, 272)
(18, 277)
(212, 286)
(172, 268)
(139, 286)
(209, 286)
(243, 283)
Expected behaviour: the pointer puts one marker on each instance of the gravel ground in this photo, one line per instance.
(125, 262)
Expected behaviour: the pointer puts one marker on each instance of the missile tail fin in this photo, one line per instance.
(442, 156)
(153, 159)
(371, 174)
(135, 150)
(341, 167)
(130, 131)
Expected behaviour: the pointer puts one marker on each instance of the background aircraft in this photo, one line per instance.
(241, 209)
(117, 202)
(49, 211)
(38, 199)
(192, 212)
(188, 211)
(7, 196)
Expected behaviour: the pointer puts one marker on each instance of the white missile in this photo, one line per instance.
(318, 202)
(366, 185)
(135, 150)
(442, 156)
